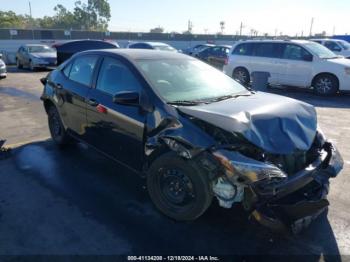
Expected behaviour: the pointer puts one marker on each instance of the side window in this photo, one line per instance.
(263, 50)
(115, 77)
(332, 46)
(243, 49)
(82, 69)
(294, 52)
(67, 69)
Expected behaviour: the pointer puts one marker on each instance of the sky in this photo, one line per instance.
(292, 17)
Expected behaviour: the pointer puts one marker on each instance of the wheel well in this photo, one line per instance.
(324, 73)
(48, 104)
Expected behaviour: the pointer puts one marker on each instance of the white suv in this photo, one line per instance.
(338, 46)
(290, 62)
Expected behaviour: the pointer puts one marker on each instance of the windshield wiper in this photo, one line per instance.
(221, 98)
(186, 102)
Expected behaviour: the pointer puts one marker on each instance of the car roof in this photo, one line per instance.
(29, 45)
(140, 54)
(274, 41)
(151, 43)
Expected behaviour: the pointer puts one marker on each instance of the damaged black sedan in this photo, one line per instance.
(195, 134)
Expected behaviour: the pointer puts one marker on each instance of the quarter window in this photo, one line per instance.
(115, 77)
(82, 69)
(243, 49)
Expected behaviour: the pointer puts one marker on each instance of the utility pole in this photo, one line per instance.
(312, 24)
(31, 19)
(30, 11)
(240, 29)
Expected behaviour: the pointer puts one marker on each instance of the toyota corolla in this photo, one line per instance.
(195, 134)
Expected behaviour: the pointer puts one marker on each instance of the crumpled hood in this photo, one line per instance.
(277, 124)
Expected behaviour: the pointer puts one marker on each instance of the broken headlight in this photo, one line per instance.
(246, 170)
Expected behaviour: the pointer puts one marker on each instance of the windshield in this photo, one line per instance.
(40, 49)
(164, 48)
(320, 51)
(188, 80)
(344, 44)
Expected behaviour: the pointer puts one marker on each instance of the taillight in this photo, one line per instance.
(226, 61)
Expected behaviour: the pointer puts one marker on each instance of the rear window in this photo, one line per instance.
(243, 49)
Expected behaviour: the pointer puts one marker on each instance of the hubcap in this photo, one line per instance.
(176, 187)
(241, 76)
(324, 85)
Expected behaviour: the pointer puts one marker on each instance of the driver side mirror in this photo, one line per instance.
(127, 98)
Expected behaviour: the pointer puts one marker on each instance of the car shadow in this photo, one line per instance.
(341, 100)
(117, 198)
(18, 93)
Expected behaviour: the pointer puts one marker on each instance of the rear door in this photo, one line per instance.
(72, 88)
(266, 59)
(113, 128)
(297, 70)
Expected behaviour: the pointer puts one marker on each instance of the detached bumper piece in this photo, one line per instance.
(4, 152)
(294, 204)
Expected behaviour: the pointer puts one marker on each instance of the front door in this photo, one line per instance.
(297, 70)
(113, 128)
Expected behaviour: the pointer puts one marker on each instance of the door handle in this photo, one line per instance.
(59, 86)
(92, 102)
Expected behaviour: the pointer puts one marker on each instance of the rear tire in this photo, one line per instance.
(179, 188)
(57, 131)
(326, 85)
(241, 75)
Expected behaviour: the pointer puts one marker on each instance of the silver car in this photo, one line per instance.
(36, 56)
(3, 70)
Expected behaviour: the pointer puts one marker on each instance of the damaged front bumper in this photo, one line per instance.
(280, 203)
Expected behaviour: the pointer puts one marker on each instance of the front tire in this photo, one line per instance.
(18, 63)
(241, 75)
(179, 188)
(326, 85)
(57, 131)
(31, 66)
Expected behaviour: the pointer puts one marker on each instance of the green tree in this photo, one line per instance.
(93, 15)
(11, 20)
(90, 15)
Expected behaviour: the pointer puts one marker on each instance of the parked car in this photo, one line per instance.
(296, 63)
(193, 51)
(152, 45)
(36, 56)
(216, 56)
(338, 46)
(67, 49)
(3, 69)
(194, 133)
